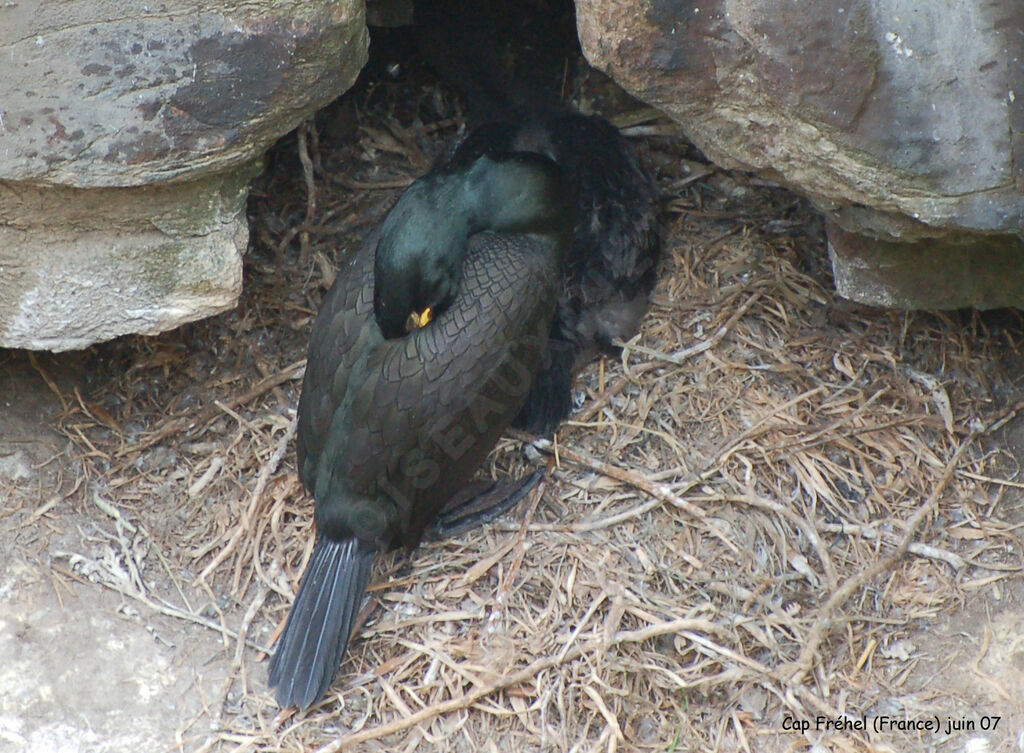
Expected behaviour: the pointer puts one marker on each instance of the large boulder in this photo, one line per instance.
(128, 134)
(901, 120)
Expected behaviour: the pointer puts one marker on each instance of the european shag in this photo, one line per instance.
(421, 355)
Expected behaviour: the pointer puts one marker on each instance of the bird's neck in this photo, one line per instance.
(516, 193)
(508, 193)
(424, 239)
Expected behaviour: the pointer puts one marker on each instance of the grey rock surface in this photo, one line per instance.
(97, 93)
(79, 266)
(127, 137)
(903, 121)
(87, 670)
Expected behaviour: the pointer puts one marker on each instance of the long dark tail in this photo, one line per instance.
(320, 621)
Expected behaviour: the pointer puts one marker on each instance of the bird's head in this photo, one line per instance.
(419, 257)
(423, 240)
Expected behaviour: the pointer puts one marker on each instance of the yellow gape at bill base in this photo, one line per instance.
(417, 320)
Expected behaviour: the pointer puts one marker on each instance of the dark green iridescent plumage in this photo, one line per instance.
(514, 62)
(391, 428)
(611, 265)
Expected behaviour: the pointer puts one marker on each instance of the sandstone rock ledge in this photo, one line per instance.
(903, 121)
(128, 136)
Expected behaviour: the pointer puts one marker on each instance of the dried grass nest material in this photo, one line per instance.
(750, 511)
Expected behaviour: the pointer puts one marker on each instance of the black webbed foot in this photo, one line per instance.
(549, 401)
(480, 502)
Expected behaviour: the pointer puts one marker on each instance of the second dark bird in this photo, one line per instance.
(510, 65)
(611, 266)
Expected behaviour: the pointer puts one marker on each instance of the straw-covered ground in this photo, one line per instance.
(775, 506)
